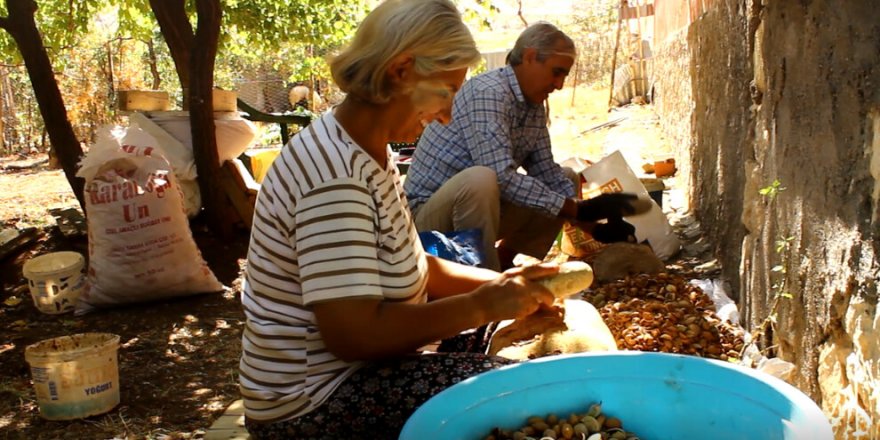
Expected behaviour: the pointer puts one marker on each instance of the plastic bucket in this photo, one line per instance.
(75, 376)
(655, 189)
(663, 168)
(657, 396)
(56, 280)
(261, 161)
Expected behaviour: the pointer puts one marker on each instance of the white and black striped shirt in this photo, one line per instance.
(329, 223)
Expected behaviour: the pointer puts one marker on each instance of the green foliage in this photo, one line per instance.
(772, 190)
(783, 244)
(778, 273)
(479, 69)
(269, 134)
(135, 19)
(478, 12)
(100, 46)
(295, 34)
(59, 22)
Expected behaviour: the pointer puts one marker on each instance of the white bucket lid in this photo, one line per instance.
(51, 264)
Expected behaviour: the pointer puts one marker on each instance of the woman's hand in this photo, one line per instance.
(513, 294)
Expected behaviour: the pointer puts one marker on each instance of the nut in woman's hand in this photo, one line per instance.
(573, 277)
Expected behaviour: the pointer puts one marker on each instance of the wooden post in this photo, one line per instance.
(3, 111)
(641, 71)
(574, 86)
(616, 46)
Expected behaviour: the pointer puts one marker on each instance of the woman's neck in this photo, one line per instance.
(368, 125)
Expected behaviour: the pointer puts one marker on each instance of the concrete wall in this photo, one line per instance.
(755, 91)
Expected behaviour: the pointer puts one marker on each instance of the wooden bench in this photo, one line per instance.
(282, 119)
(230, 426)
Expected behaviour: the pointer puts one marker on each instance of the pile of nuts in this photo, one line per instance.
(665, 313)
(592, 425)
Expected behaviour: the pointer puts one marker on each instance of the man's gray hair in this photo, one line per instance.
(543, 37)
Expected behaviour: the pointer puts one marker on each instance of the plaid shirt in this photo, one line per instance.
(493, 126)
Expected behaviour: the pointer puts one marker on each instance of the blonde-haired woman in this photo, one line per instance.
(339, 295)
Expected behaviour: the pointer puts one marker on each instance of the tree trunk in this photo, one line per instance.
(154, 65)
(195, 68)
(201, 116)
(178, 33)
(11, 132)
(111, 92)
(21, 26)
(3, 149)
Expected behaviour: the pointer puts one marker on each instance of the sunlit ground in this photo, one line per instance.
(575, 115)
(572, 112)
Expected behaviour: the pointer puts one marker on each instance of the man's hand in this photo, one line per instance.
(616, 230)
(613, 205)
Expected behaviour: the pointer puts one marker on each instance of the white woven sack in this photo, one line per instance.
(140, 244)
(178, 155)
(171, 130)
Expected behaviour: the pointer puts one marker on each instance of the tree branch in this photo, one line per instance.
(178, 34)
(21, 26)
(519, 14)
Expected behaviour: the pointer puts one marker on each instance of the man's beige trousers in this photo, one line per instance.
(471, 199)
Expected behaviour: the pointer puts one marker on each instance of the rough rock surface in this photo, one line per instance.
(753, 92)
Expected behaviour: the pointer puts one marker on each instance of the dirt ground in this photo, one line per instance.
(178, 359)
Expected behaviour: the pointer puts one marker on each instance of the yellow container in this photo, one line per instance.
(56, 280)
(75, 376)
(260, 163)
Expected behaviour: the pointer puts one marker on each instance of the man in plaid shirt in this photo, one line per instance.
(464, 175)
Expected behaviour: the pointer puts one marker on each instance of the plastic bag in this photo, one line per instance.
(612, 174)
(579, 244)
(580, 330)
(725, 308)
(777, 368)
(463, 247)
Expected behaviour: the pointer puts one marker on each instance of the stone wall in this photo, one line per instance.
(789, 91)
(673, 100)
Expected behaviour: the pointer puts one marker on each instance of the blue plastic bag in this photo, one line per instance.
(465, 247)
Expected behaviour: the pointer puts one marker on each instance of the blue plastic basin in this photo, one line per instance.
(658, 396)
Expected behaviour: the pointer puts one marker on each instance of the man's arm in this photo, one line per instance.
(541, 165)
(486, 131)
